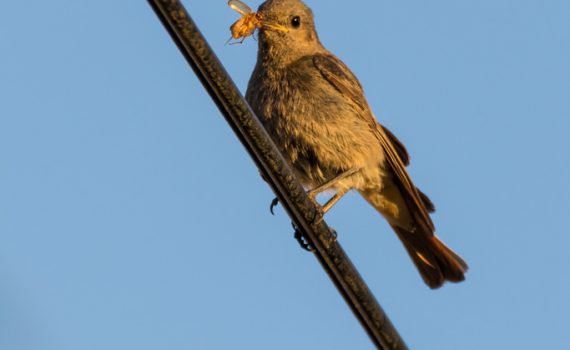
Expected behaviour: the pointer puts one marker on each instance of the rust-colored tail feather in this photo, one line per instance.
(407, 211)
(434, 260)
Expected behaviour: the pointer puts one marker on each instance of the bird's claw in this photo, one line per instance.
(319, 215)
(274, 203)
(334, 234)
(301, 239)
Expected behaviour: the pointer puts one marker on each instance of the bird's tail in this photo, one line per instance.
(434, 260)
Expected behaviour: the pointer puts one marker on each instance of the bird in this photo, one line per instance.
(315, 110)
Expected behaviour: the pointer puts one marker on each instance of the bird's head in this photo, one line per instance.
(288, 31)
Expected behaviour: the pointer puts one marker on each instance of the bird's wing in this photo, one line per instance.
(343, 80)
(398, 145)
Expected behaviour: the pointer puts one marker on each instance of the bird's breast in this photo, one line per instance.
(317, 131)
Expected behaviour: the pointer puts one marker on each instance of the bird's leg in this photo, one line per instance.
(321, 188)
(327, 206)
(327, 185)
(331, 202)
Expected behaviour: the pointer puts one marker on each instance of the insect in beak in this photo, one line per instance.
(249, 22)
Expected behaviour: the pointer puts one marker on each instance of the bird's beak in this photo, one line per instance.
(275, 27)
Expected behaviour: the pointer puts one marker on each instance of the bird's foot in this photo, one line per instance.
(334, 234)
(319, 214)
(274, 203)
(301, 239)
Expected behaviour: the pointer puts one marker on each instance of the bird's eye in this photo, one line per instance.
(296, 22)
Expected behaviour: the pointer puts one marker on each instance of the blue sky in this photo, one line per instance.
(131, 217)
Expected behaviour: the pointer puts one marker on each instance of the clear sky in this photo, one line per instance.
(132, 218)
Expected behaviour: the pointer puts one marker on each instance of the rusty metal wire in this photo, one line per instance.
(275, 170)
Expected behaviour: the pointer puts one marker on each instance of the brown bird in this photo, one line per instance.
(314, 108)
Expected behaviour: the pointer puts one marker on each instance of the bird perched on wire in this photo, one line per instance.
(314, 108)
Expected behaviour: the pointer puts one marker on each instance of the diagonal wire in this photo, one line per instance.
(275, 170)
